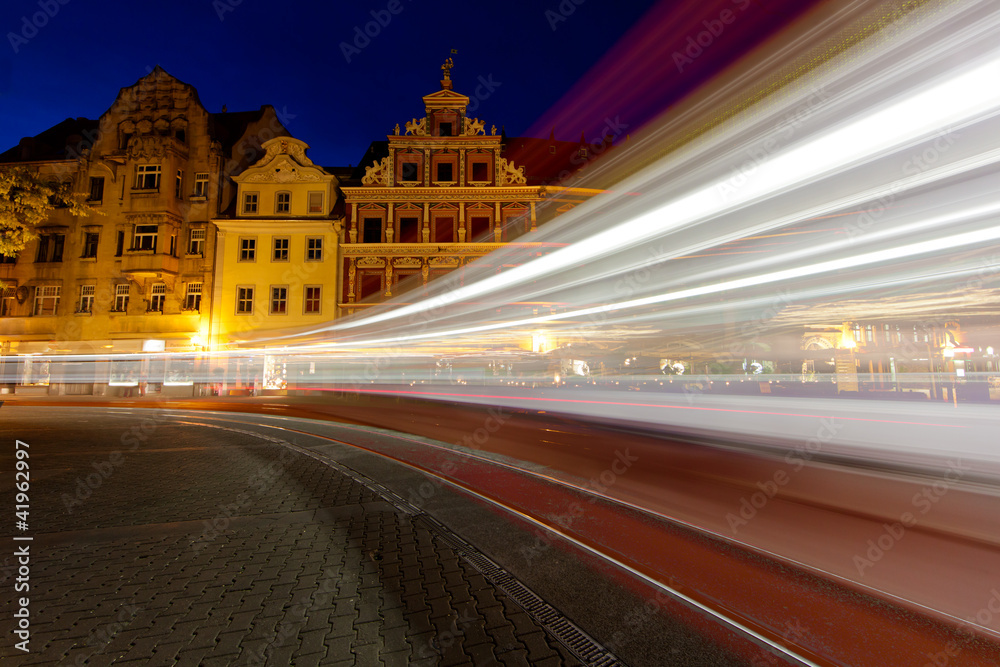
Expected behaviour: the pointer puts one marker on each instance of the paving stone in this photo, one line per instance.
(360, 584)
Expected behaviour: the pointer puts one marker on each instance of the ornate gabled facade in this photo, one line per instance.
(436, 195)
(138, 274)
(276, 262)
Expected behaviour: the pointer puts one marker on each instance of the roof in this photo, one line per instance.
(63, 141)
(229, 126)
(376, 151)
(550, 161)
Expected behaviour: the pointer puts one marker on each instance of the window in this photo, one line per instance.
(201, 184)
(50, 247)
(409, 230)
(444, 171)
(279, 300)
(445, 129)
(283, 202)
(145, 237)
(315, 202)
(157, 295)
(96, 188)
(250, 202)
(244, 300)
(47, 299)
(181, 136)
(121, 297)
(196, 243)
(173, 245)
(179, 184)
(480, 171)
(371, 230)
(478, 227)
(193, 299)
(147, 177)
(313, 299)
(409, 172)
(314, 248)
(8, 259)
(86, 298)
(248, 249)
(90, 244)
(120, 244)
(126, 137)
(280, 250)
(7, 301)
(444, 230)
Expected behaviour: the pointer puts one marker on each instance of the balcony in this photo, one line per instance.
(146, 263)
(156, 201)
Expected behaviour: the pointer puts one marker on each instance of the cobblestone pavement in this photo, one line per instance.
(162, 543)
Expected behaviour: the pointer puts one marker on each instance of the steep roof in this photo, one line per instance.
(63, 141)
(550, 161)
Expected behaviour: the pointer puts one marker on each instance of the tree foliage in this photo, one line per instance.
(26, 200)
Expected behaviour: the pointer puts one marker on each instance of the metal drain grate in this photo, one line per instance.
(587, 649)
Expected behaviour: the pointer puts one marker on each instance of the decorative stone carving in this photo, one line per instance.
(474, 126)
(285, 148)
(396, 130)
(508, 174)
(371, 262)
(143, 148)
(283, 171)
(493, 130)
(377, 174)
(406, 262)
(417, 128)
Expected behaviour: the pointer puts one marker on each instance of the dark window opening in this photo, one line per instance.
(444, 230)
(444, 171)
(371, 230)
(479, 227)
(96, 188)
(371, 284)
(444, 129)
(480, 171)
(90, 244)
(50, 247)
(409, 171)
(409, 230)
(120, 244)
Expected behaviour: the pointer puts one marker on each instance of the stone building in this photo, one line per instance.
(439, 193)
(137, 275)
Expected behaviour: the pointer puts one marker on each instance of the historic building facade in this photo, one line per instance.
(276, 259)
(138, 274)
(215, 230)
(435, 196)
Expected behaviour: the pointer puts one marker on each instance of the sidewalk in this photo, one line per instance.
(202, 546)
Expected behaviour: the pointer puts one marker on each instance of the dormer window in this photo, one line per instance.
(444, 130)
(283, 202)
(249, 202)
(315, 202)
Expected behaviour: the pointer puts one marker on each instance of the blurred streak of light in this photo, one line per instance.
(902, 121)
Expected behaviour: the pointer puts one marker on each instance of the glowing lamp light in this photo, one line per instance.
(847, 342)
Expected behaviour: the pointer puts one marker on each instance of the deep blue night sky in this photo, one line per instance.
(288, 54)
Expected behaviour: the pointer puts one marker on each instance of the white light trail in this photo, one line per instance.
(953, 101)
